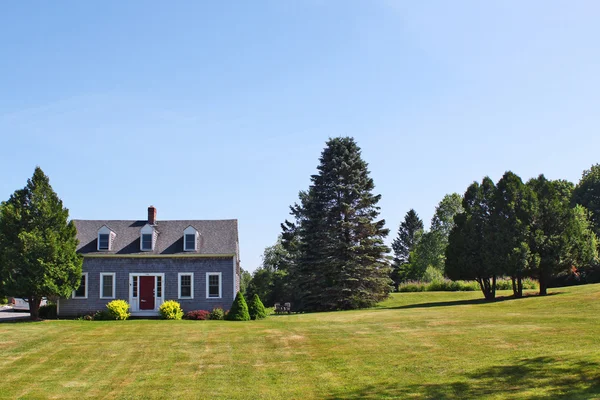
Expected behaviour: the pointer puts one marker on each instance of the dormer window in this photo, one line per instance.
(147, 241)
(105, 238)
(147, 238)
(190, 239)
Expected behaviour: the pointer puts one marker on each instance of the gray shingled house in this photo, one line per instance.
(147, 262)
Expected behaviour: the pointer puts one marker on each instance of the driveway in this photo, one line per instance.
(7, 314)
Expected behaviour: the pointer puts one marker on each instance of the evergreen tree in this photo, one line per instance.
(587, 194)
(341, 258)
(561, 236)
(38, 244)
(514, 207)
(256, 308)
(470, 254)
(409, 232)
(239, 309)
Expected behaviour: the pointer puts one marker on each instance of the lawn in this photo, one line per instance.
(414, 345)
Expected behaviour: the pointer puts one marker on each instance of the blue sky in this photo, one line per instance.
(220, 110)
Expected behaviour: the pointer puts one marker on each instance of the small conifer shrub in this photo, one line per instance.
(256, 308)
(239, 309)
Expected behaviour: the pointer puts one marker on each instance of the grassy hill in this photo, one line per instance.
(414, 345)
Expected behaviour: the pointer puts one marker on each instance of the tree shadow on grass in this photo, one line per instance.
(466, 302)
(535, 379)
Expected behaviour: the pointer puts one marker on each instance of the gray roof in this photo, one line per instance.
(216, 237)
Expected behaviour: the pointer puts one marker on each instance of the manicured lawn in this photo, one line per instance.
(415, 345)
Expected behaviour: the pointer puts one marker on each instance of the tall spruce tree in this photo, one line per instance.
(409, 232)
(341, 259)
(38, 244)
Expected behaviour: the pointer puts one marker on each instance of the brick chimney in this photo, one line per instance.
(152, 215)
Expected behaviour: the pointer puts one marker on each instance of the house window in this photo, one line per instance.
(135, 286)
(186, 285)
(213, 285)
(82, 291)
(107, 285)
(146, 241)
(190, 242)
(159, 286)
(103, 241)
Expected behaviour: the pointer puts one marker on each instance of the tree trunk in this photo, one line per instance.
(34, 307)
(543, 285)
(493, 289)
(519, 287)
(514, 286)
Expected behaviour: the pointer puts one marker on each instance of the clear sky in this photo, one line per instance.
(214, 110)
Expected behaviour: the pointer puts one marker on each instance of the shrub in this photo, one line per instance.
(198, 315)
(170, 310)
(217, 314)
(118, 310)
(433, 274)
(239, 309)
(3, 300)
(256, 308)
(103, 315)
(47, 312)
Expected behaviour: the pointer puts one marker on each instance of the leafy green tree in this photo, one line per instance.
(245, 278)
(430, 250)
(341, 261)
(256, 308)
(470, 255)
(239, 309)
(587, 194)
(271, 281)
(443, 218)
(561, 236)
(38, 244)
(409, 232)
(514, 208)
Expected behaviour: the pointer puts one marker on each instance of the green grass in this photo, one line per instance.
(436, 345)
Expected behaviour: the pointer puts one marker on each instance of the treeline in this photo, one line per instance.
(541, 229)
(332, 256)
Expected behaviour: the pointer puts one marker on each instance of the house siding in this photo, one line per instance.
(122, 267)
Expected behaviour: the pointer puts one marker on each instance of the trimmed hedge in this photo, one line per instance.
(239, 309)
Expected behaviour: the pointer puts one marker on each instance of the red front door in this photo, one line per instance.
(146, 293)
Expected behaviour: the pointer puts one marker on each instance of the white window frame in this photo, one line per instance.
(105, 230)
(107, 242)
(220, 275)
(142, 242)
(87, 286)
(114, 286)
(190, 230)
(185, 248)
(179, 275)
